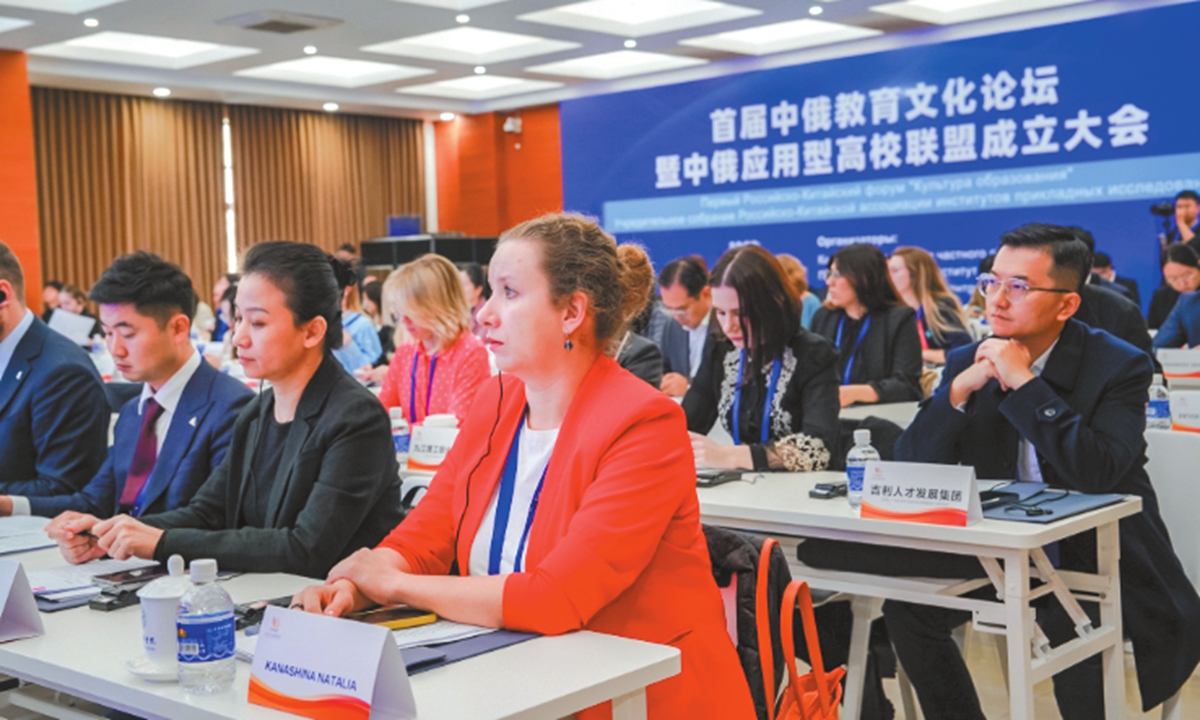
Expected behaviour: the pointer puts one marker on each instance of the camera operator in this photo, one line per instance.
(1184, 224)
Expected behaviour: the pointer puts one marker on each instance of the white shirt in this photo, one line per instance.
(696, 339)
(167, 397)
(1028, 469)
(9, 345)
(533, 455)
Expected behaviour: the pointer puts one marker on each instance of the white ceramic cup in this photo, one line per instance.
(160, 604)
(441, 421)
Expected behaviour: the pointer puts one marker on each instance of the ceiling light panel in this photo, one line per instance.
(472, 46)
(948, 12)
(639, 18)
(146, 50)
(452, 4)
(7, 24)
(781, 37)
(338, 72)
(479, 87)
(622, 63)
(70, 7)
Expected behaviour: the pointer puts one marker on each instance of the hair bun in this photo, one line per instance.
(343, 272)
(637, 279)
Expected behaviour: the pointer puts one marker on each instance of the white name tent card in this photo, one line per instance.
(322, 667)
(428, 446)
(19, 616)
(1185, 410)
(922, 493)
(1181, 367)
(76, 328)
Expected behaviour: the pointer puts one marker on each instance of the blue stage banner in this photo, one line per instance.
(943, 147)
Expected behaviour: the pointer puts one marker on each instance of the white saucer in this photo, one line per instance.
(147, 670)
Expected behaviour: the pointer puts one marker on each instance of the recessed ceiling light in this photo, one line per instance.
(621, 63)
(948, 12)
(91, 22)
(816, 10)
(339, 72)
(146, 50)
(70, 7)
(781, 37)
(631, 44)
(330, 107)
(459, 5)
(462, 19)
(471, 45)
(310, 49)
(480, 70)
(479, 87)
(162, 92)
(447, 116)
(638, 18)
(7, 24)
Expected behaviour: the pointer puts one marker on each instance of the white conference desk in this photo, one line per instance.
(777, 504)
(83, 653)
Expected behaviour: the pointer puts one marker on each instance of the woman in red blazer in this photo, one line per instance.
(568, 500)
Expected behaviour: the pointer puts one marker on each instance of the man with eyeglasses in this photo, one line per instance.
(1049, 399)
(683, 287)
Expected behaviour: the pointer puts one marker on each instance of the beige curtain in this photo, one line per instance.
(323, 178)
(118, 174)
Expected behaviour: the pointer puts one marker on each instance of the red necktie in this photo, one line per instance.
(144, 455)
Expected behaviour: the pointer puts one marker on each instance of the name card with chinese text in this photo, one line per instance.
(922, 493)
(1185, 410)
(1181, 367)
(328, 668)
(427, 447)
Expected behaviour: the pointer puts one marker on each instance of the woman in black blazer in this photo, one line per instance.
(876, 334)
(311, 474)
(771, 383)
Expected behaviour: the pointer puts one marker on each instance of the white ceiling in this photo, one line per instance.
(418, 58)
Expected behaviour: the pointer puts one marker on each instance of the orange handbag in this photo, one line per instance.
(816, 694)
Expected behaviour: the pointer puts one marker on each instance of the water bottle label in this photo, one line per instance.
(854, 478)
(205, 638)
(1159, 409)
(401, 440)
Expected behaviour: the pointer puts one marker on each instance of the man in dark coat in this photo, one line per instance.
(1052, 400)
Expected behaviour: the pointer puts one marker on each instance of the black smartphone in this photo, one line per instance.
(825, 491)
(130, 579)
(993, 498)
(711, 478)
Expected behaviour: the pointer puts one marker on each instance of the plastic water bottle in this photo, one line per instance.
(205, 626)
(400, 431)
(856, 466)
(1158, 409)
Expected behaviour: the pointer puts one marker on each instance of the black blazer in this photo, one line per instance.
(54, 416)
(806, 403)
(337, 488)
(642, 358)
(889, 359)
(1106, 310)
(1132, 286)
(1086, 417)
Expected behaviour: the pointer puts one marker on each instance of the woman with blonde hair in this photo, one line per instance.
(941, 322)
(568, 501)
(797, 275)
(440, 365)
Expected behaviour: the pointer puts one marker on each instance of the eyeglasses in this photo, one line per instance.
(1015, 288)
(1035, 509)
(833, 275)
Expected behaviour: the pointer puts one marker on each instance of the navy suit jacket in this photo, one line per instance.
(676, 347)
(197, 439)
(54, 416)
(1182, 326)
(1086, 417)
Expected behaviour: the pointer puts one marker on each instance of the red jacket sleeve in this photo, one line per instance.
(426, 536)
(620, 524)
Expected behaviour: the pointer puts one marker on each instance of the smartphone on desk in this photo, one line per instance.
(129, 579)
(995, 498)
(712, 478)
(395, 617)
(825, 491)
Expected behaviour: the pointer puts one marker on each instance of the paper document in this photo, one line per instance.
(23, 533)
(438, 633)
(76, 328)
(71, 577)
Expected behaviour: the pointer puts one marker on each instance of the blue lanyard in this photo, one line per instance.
(508, 484)
(412, 387)
(767, 404)
(862, 333)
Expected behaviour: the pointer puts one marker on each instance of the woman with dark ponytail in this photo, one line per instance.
(310, 475)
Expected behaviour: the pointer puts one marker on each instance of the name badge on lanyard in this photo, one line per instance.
(862, 333)
(508, 484)
(412, 387)
(768, 403)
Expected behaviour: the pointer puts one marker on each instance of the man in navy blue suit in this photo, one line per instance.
(53, 414)
(1051, 400)
(168, 440)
